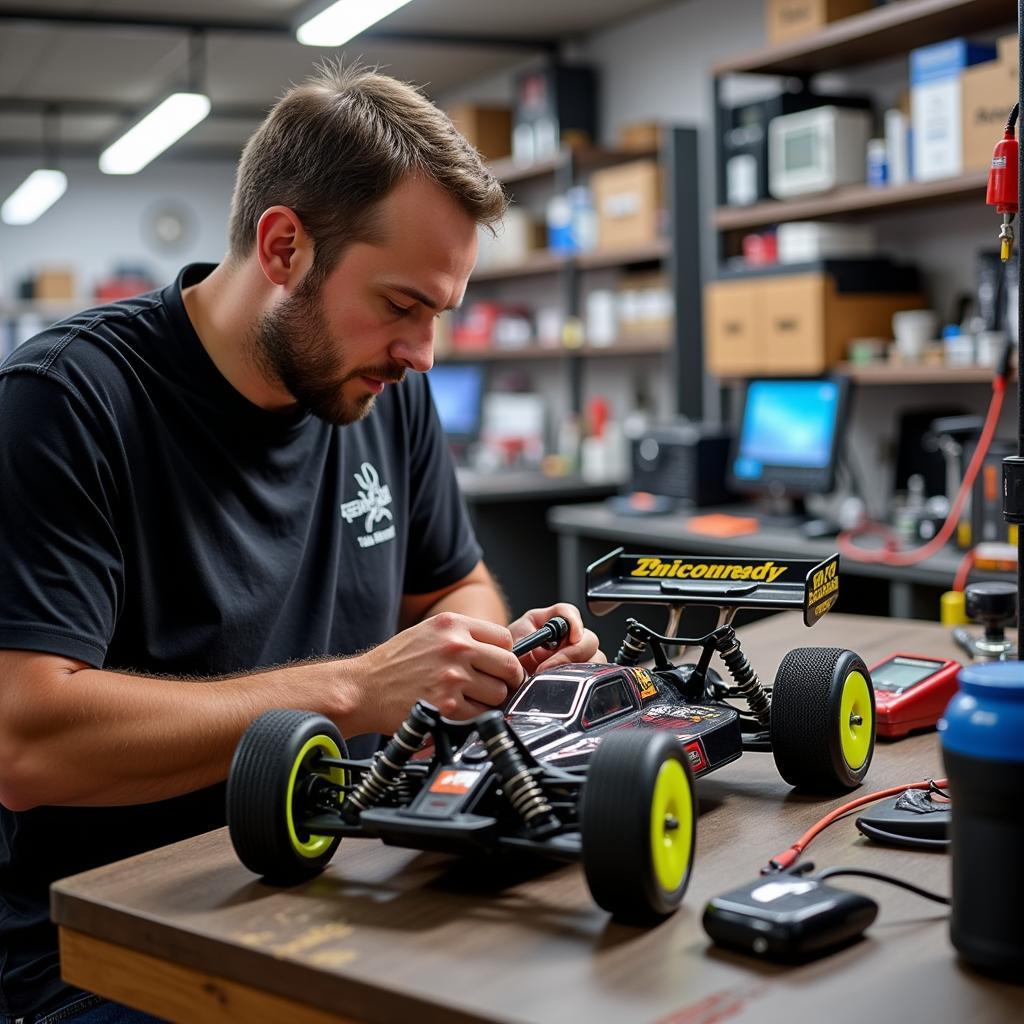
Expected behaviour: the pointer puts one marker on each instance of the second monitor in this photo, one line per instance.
(788, 440)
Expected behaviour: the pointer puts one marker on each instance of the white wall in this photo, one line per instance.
(101, 222)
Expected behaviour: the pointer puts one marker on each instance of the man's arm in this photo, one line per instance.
(476, 594)
(75, 735)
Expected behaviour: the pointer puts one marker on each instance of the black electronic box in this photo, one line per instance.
(685, 461)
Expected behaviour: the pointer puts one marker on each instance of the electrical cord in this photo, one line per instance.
(907, 843)
(784, 861)
(964, 569)
(879, 877)
(888, 555)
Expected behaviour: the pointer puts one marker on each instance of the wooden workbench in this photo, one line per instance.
(385, 934)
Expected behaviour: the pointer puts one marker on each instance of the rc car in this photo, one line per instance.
(591, 762)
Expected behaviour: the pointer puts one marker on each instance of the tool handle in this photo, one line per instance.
(549, 636)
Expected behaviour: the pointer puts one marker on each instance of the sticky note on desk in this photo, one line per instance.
(720, 524)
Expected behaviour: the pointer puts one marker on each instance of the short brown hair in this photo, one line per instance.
(332, 148)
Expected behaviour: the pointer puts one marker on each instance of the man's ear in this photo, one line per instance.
(283, 247)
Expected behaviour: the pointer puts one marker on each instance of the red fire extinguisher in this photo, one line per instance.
(1002, 183)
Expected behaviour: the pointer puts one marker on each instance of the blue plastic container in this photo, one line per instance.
(982, 734)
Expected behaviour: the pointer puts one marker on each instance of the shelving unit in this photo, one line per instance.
(880, 33)
(625, 347)
(889, 374)
(678, 252)
(853, 199)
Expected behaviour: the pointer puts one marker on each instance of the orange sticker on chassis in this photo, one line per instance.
(454, 782)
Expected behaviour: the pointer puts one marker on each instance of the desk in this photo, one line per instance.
(579, 526)
(387, 934)
(509, 511)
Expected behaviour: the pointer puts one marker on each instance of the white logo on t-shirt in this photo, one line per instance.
(374, 497)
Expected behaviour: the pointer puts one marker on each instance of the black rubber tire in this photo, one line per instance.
(805, 719)
(257, 794)
(615, 824)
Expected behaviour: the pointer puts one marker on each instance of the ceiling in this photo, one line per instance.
(96, 65)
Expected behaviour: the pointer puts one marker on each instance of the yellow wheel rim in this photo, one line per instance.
(313, 845)
(671, 825)
(856, 720)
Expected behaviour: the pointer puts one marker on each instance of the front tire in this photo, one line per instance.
(276, 755)
(823, 719)
(638, 824)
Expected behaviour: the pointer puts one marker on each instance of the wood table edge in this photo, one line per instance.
(172, 991)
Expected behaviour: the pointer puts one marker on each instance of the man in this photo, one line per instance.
(211, 482)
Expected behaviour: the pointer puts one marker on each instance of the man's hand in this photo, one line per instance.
(463, 666)
(580, 645)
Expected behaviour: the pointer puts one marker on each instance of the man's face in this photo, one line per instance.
(335, 349)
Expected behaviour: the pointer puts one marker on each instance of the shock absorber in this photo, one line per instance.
(747, 682)
(634, 646)
(521, 788)
(385, 773)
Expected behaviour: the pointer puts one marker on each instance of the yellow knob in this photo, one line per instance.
(951, 609)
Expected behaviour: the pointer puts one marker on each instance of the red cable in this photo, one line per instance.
(964, 569)
(915, 555)
(786, 859)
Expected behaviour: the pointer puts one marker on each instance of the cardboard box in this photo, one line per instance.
(628, 203)
(640, 136)
(988, 93)
(787, 19)
(1008, 49)
(780, 324)
(54, 283)
(488, 129)
(936, 105)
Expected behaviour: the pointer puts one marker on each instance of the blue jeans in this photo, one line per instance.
(89, 1009)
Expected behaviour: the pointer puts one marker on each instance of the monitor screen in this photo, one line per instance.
(458, 393)
(787, 440)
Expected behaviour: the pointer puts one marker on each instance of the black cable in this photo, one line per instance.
(1011, 121)
(898, 839)
(879, 877)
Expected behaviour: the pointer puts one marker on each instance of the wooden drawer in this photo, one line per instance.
(730, 318)
(792, 324)
(798, 324)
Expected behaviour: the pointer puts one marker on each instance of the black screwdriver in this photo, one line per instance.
(549, 636)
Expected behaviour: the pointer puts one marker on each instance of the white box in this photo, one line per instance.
(937, 143)
(936, 102)
(897, 146)
(810, 240)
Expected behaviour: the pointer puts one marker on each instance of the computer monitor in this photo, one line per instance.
(788, 439)
(457, 389)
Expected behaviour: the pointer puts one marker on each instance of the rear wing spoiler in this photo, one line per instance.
(673, 580)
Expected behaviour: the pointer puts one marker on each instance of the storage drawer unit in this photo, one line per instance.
(791, 323)
(731, 324)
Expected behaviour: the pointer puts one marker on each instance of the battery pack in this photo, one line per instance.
(788, 917)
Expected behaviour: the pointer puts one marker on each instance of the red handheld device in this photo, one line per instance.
(911, 692)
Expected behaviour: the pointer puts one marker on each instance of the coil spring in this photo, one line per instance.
(521, 788)
(385, 774)
(748, 684)
(631, 652)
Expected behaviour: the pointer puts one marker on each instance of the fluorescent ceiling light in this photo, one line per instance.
(33, 197)
(157, 131)
(343, 20)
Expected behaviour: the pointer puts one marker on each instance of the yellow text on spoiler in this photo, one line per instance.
(765, 572)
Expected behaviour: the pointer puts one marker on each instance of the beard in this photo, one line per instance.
(293, 346)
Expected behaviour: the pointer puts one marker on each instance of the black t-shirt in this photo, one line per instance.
(155, 521)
